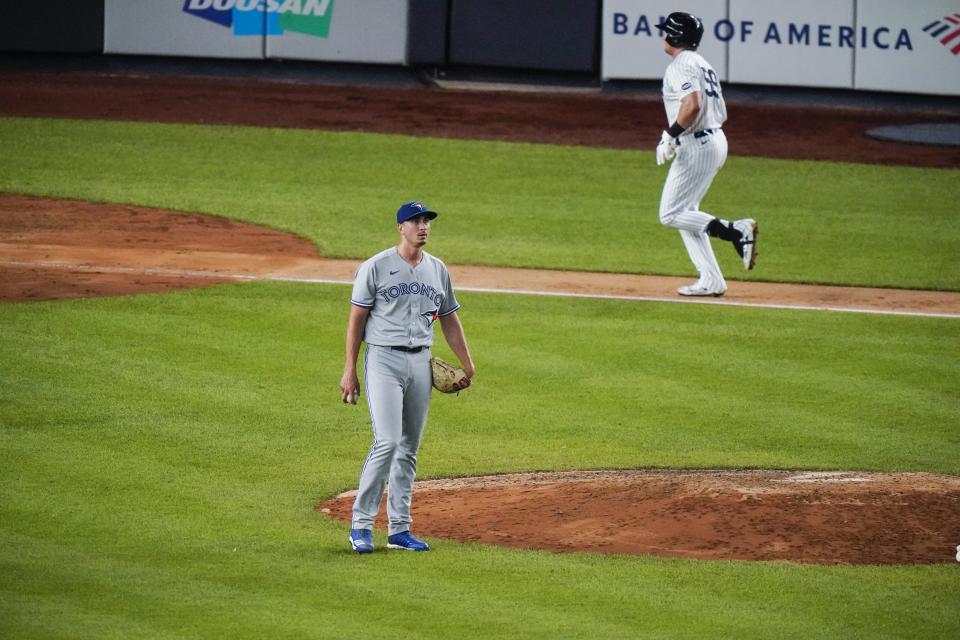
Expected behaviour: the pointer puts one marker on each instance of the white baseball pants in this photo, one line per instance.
(689, 178)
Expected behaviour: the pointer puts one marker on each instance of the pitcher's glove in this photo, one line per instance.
(446, 377)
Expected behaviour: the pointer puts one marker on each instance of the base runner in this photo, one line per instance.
(697, 145)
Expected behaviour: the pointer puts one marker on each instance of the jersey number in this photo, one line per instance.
(713, 85)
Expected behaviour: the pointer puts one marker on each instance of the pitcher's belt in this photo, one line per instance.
(408, 349)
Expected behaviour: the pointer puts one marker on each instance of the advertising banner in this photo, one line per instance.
(373, 31)
(909, 46)
(633, 47)
(203, 28)
(885, 45)
(346, 30)
(781, 42)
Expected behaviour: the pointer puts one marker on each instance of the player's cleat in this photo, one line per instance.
(361, 540)
(747, 245)
(700, 290)
(406, 541)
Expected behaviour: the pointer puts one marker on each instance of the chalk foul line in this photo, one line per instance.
(188, 273)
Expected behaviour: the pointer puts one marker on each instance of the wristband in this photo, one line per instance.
(675, 130)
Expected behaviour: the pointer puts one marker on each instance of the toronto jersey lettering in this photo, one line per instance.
(404, 301)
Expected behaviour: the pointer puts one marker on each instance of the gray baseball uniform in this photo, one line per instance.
(404, 303)
(701, 153)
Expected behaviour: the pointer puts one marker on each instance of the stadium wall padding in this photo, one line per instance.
(52, 26)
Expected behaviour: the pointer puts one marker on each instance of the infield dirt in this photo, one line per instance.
(808, 517)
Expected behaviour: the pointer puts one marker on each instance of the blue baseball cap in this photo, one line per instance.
(413, 209)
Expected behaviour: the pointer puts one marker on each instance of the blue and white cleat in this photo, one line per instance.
(406, 541)
(361, 540)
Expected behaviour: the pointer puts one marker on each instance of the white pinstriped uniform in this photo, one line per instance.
(404, 303)
(699, 157)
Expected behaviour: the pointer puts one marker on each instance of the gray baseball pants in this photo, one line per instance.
(398, 386)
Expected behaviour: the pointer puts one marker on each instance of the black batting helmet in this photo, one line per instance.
(682, 30)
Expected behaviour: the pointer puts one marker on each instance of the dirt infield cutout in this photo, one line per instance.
(817, 517)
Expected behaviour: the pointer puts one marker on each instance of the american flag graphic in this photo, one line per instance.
(949, 28)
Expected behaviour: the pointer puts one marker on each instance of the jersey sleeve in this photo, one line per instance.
(364, 287)
(687, 79)
(449, 304)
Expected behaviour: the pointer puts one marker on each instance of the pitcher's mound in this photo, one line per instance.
(798, 516)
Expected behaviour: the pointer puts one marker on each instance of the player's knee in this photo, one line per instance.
(407, 455)
(668, 217)
(387, 447)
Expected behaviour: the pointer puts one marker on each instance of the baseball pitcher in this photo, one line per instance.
(397, 296)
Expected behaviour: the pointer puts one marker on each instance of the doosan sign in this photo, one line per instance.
(266, 17)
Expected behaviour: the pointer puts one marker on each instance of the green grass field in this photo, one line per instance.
(506, 204)
(162, 455)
